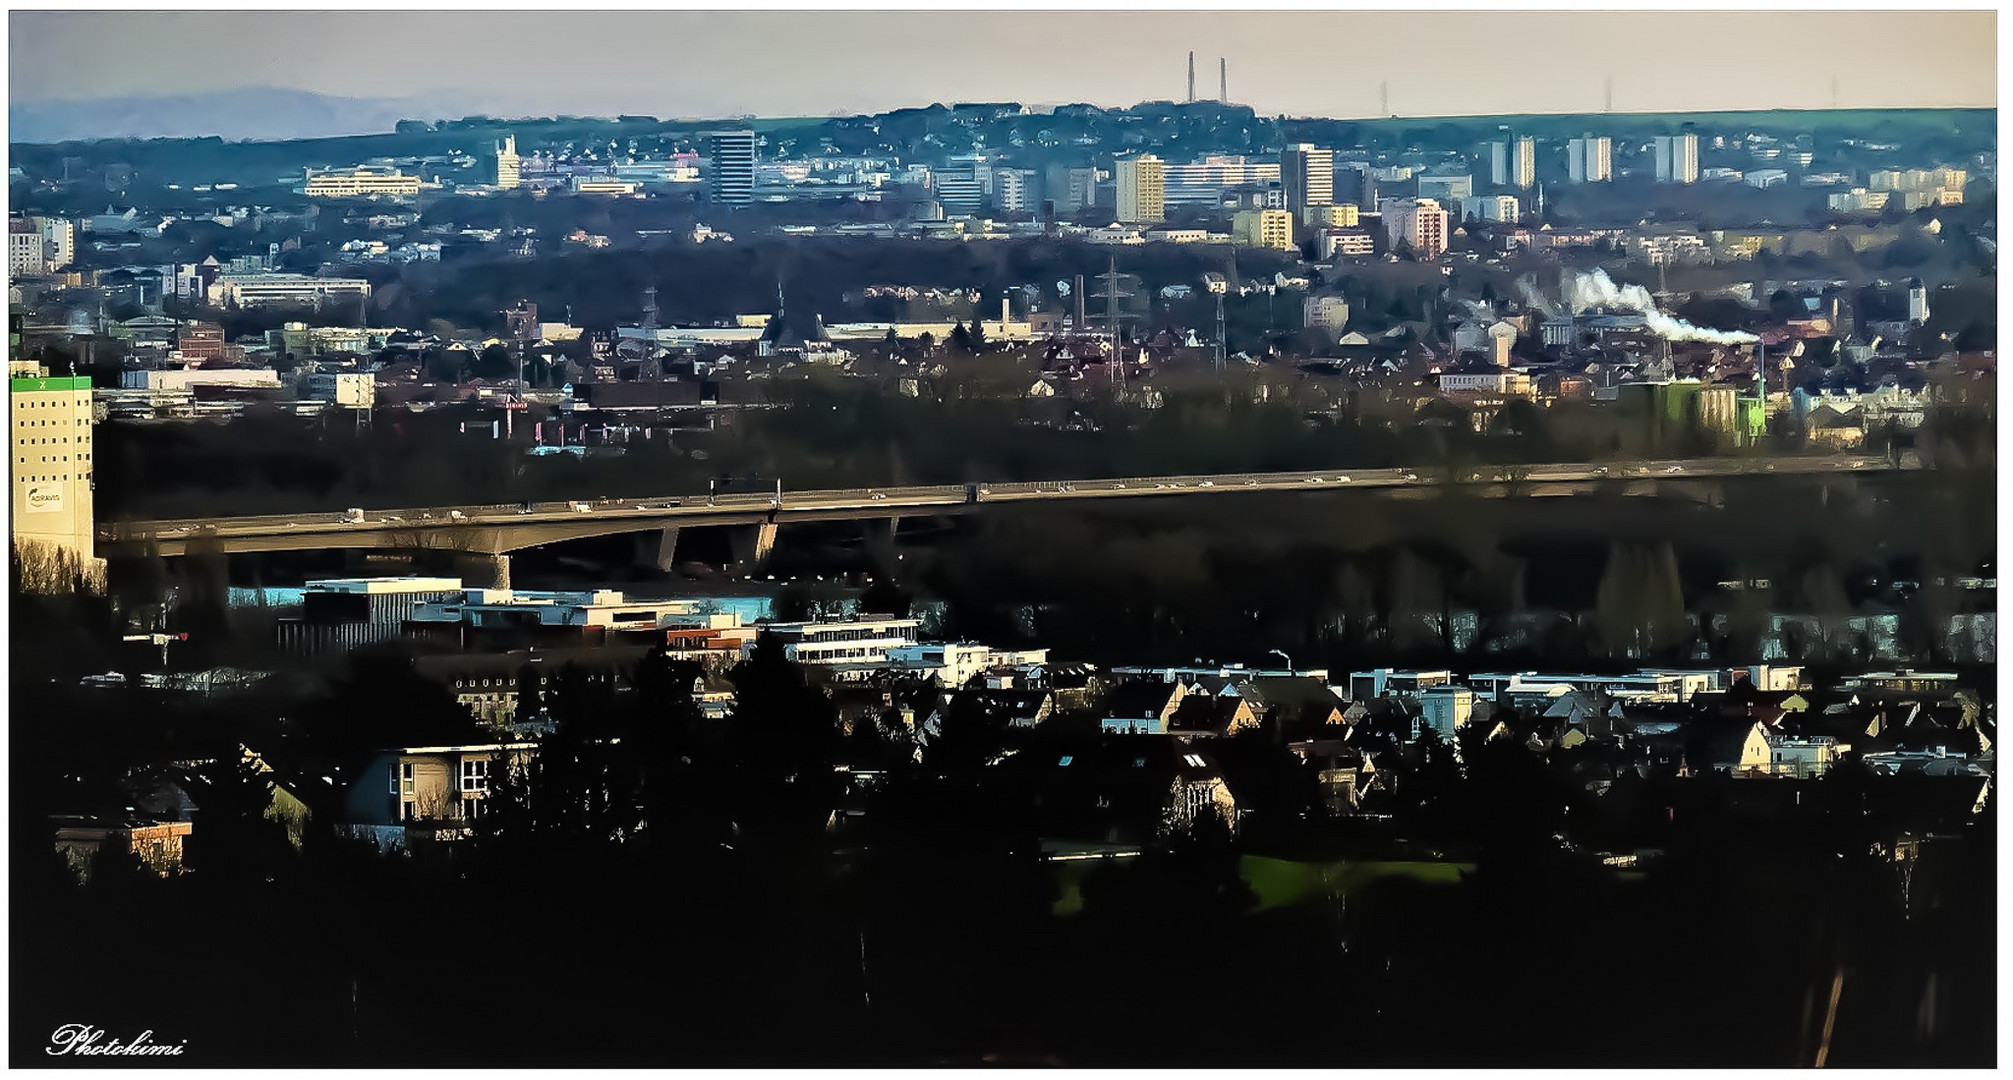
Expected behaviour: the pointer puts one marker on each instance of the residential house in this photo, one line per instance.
(424, 793)
(1114, 789)
(1142, 707)
(85, 840)
(1205, 714)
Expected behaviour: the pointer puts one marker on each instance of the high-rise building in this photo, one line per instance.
(507, 173)
(1070, 189)
(732, 162)
(1010, 190)
(958, 190)
(1524, 162)
(1918, 302)
(1677, 159)
(1589, 160)
(52, 452)
(1308, 175)
(1263, 228)
(1514, 163)
(24, 247)
(1356, 182)
(1142, 189)
(1490, 208)
(1420, 223)
(59, 241)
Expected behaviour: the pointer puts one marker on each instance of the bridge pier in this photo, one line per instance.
(752, 545)
(659, 549)
(498, 567)
(879, 534)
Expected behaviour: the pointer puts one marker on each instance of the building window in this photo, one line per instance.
(405, 811)
(475, 774)
(406, 785)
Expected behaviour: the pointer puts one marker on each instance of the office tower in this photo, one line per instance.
(1589, 160)
(1499, 164)
(1356, 182)
(1011, 190)
(506, 163)
(959, 190)
(1918, 302)
(733, 168)
(1142, 189)
(1308, 175)
(1677, 159)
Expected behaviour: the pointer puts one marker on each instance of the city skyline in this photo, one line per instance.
(1932, 59)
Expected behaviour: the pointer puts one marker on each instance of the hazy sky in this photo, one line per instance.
(710, 64)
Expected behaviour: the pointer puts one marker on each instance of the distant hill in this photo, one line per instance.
(256, 114)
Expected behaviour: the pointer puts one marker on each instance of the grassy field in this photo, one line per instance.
(1276, 882)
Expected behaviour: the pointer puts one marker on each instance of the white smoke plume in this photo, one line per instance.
(1527, 287)
(1597, 290)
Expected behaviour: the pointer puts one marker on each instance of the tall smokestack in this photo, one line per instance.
(1079, 304)
(1191, 76)
(1223, 79)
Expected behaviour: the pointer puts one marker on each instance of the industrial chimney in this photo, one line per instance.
(1223, 79)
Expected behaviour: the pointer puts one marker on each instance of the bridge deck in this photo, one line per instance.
(499, 529)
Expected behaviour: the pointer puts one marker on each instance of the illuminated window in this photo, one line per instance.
(406, 781)
(1066, 759)
(475, 774)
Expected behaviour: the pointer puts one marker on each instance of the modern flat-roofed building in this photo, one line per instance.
(853, 641)
(1264, 228)
(602, 185)
(256, 290)
(360, 183)
(1346, 243)
(1451, 189)
(348, 613)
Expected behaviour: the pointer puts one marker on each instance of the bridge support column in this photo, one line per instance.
(499, 571)
(752, 545)
(880, 542)
(659, 549)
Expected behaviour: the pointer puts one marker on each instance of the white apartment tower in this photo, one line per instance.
(1677, 159)
(1514, 163)
(507, 172)
(1589, 160)
(1142, 189)
(1421, 223)
(1308, 175)
(733, 167)
(1918, 302)
(59, 241)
